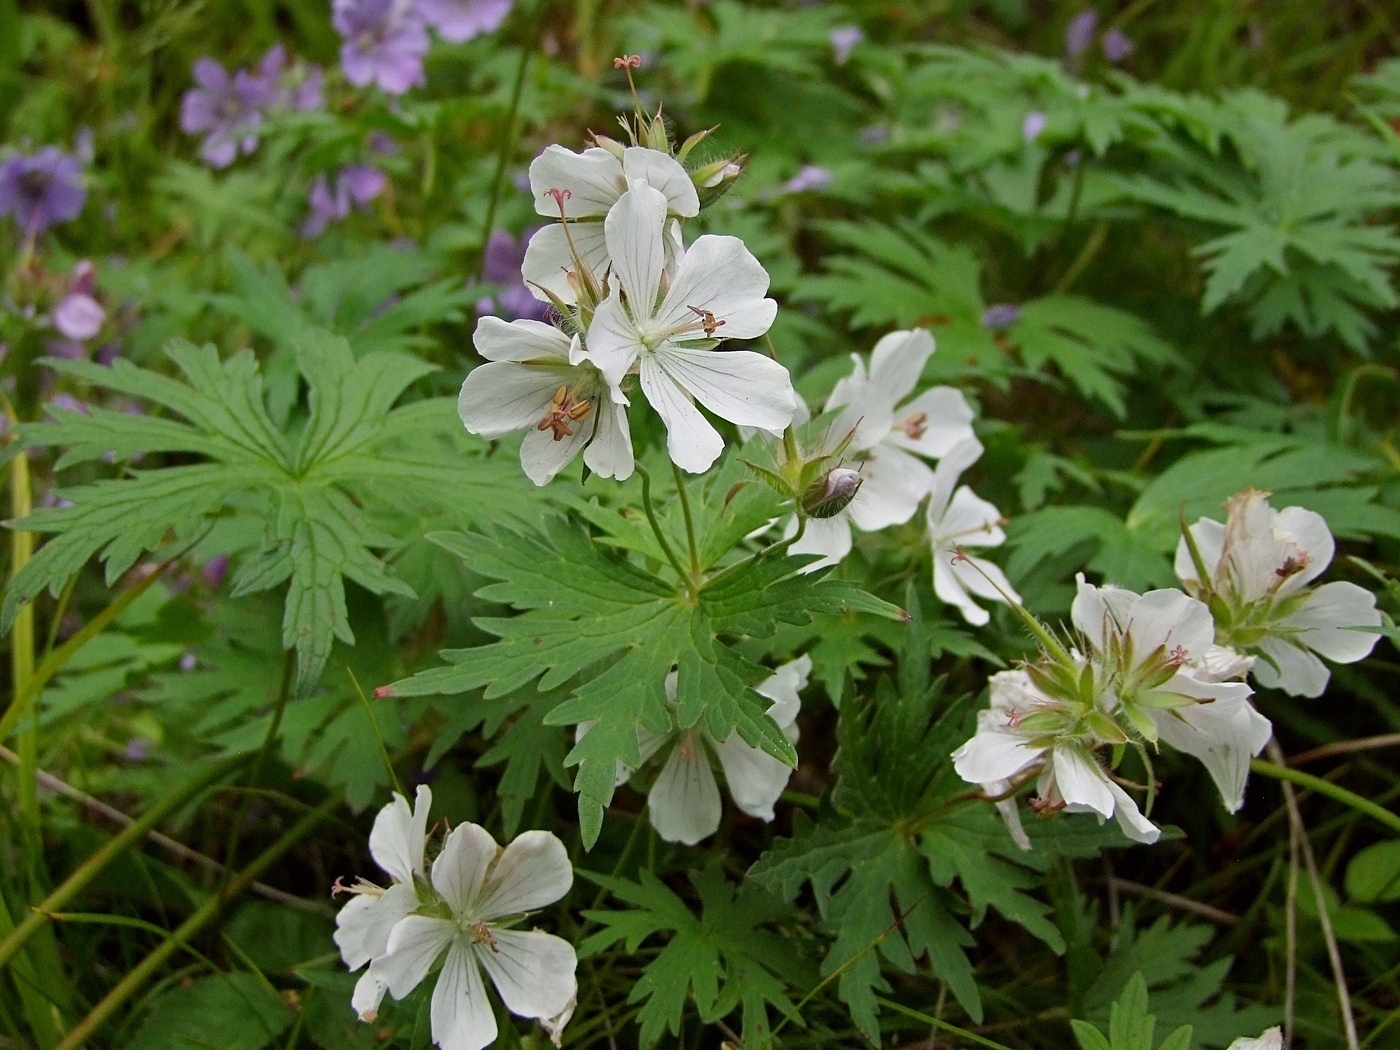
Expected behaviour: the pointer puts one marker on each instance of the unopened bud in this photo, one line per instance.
(654, 135)
(617, 149)
(832, 493)
(715, 179)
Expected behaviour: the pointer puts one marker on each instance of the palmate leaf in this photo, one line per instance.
(723, 958)
(591, 617)
(305, 487)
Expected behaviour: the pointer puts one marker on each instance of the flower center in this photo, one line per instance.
(481, 934)
(564, 410)
(916, 425)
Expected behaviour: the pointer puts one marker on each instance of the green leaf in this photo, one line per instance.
(1373, 875)
(239, 1008)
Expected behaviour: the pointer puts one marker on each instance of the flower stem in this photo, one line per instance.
(22, 643)
(1326, 787)
(938, 1022)
(656, 528)
(689, 526)
(269, 742)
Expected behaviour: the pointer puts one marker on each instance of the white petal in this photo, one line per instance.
(1210, 542)
(542, 455)
(609, 453)
(1308, 531)
(399, 834)
(829, 537)
(1299, 672)
(1082, 782)
(368, 994)
(1224, 735)
(756, 779)
(784, 687)
(533, 871)
(522, 340)
(684, 802)
(1328, 613)
(948, 585)
(691, 441)
(459, 873)
(898, 360)
(738, 385)
(866, 412)
(634, 231)
(941, 417)
(548, 259)
(945, 477)
(613, 340)
(720, 275)
(462, 1018)
(996, 752)
(1269, 1040)
(500, 397)
(414, 946)
(661, 172)
(533, 971)
(1130, 818)
(352, 923)
(397, 903)
(893, 484)
(1252, 550)
(593, 179)
(1172, 619)
(969, 521)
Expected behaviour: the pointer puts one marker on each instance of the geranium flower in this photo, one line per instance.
(480, 889)
(355, 187)
(501, 266)
(537, 380)
(42, 189)
(958, 519)
(1260, 564)
(385, 41)
(78, 315)
(580, 189)
(886, 440)
(460, 20)
(666, 322)
(226, 109)
(396, 842)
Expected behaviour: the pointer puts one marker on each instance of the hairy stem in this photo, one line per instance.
(689, 526)
(656, 528)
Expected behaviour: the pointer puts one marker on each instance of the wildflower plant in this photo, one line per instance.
(889, 539)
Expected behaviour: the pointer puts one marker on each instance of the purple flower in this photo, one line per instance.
(41, 189)
(459, 20)
(137, 749)
(501, 266)
(66, 402)
(296, 86)
(1033, 125)
(385, 41)
(1117, 45)
(1080, 33)
(355, 187)
(874, 135)
(78, 315)
(1001, 315)
(215, 571)
(810, 177)
(65, 349)
(225, 109)
(843, 41)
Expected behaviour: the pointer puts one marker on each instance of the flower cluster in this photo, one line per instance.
(459, 910)
(384, 41)
(633, 304)
(1167, 667)
(228, 109)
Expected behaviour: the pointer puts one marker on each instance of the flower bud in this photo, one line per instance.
(617, 149)
(832, 493)
(715, 179)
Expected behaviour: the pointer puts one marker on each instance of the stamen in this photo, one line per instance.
(707, 320)
(916, 426)
(1178, 656)
(563, 410)
(481, 934)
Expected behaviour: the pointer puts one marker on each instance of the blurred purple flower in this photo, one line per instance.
(1080, 33)
(1001, 315)
(385, 41)
(355, 187)
(810, 177)
(296, 86)
(380, 142)
(1033, 125)
(843, 41)
(459, 20)
(1117, 45)
(41, 189)
(874, 134)
(226, 110)
(67, 401)
(78, 315)
(215, 571)
(189, 662)
(137, 749)
(501, 266)
(65, 349)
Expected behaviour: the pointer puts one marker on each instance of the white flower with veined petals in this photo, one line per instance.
(396, 843)
(958, 519)
(1261, 562)
(538, 380)
(684, 803)
(666, 322)
(580, 189)
(1170, 637)
(1269, 1040)
(886, 440)
(480, 884)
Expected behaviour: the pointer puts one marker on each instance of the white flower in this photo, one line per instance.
(684, 803)
(886, 440)
(1153, 647)
(538, 380)
(584, 187)
(1269, 1040)
(1260, 563)
(666, 321)
(958, 519)
(396, 843)
(478, 885)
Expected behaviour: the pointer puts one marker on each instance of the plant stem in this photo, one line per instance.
(508, 146)
(205, 914)
(656, 528)
(114, 848)
(689, 526)
(22, 641)
(938, 1022)
(1326, 787)
(269, 741)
